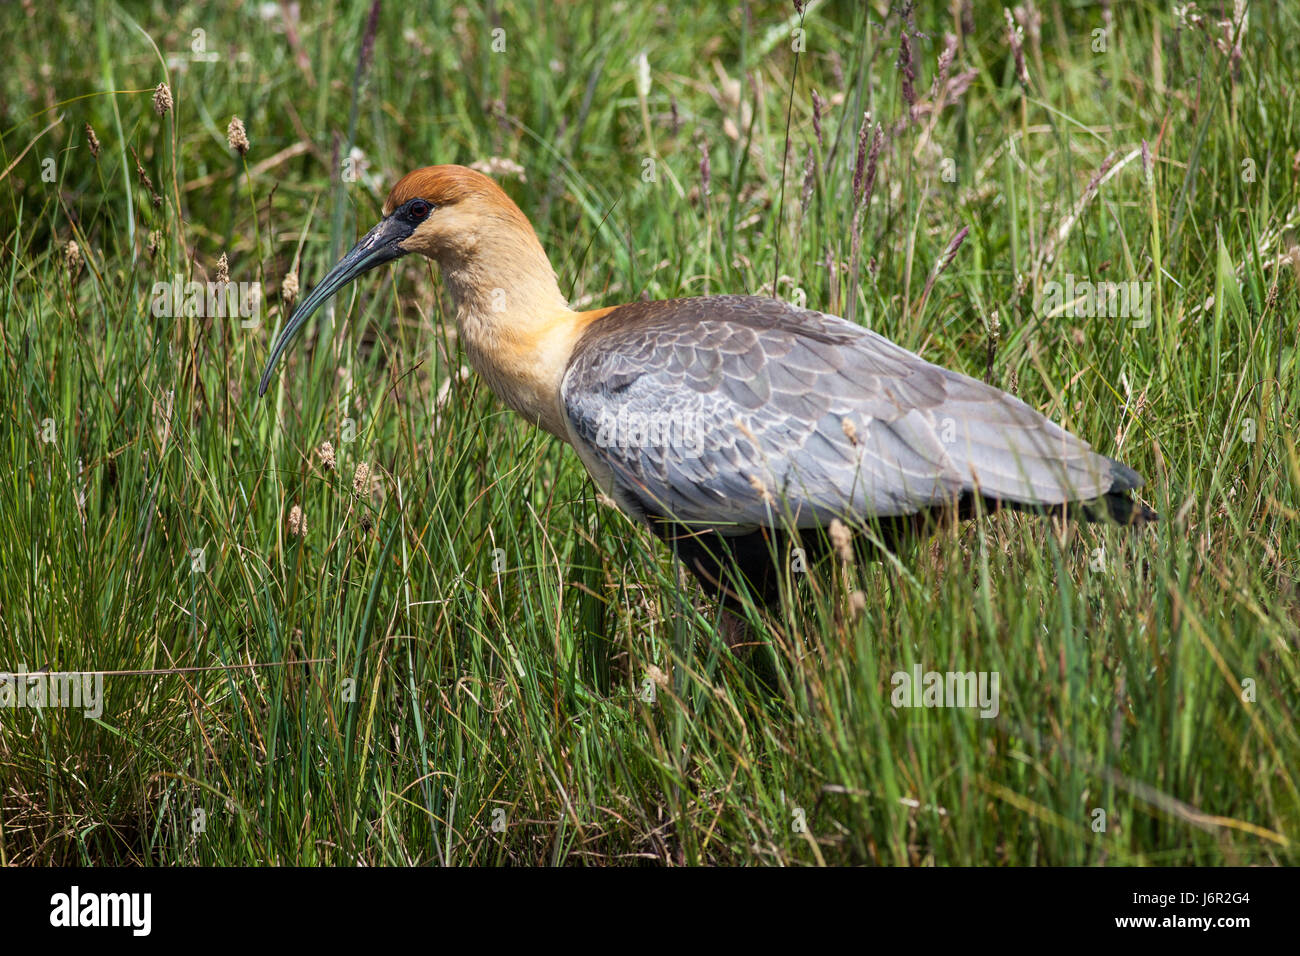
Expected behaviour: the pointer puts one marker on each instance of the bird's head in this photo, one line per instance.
(450, 214)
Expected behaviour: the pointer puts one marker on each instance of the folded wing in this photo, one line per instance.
(738, 411)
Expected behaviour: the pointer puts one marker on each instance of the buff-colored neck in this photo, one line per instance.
(516, 326)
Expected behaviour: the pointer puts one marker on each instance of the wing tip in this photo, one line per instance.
(1118, 504)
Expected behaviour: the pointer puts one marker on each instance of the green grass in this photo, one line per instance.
(516, 695)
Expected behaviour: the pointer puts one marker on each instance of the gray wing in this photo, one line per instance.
(742, 411)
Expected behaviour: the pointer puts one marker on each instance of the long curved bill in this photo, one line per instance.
(381, 244)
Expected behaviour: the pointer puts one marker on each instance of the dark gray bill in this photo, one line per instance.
(376, 247)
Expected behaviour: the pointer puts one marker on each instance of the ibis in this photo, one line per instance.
(734, 426)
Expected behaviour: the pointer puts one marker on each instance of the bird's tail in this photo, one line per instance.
(1118, 504)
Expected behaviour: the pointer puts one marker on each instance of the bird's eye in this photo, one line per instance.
(418, 209)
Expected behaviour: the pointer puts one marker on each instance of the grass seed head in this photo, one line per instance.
(361, 480)
(857, 604)
(842, 539)
(818, 104)
(809, 176)
(1015, 36)
(498, 167)
(289, 288)
(162, 99)
(237, 136)
(72, 257)
(907, 71)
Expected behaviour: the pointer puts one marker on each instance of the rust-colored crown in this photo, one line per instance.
(444, 185)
